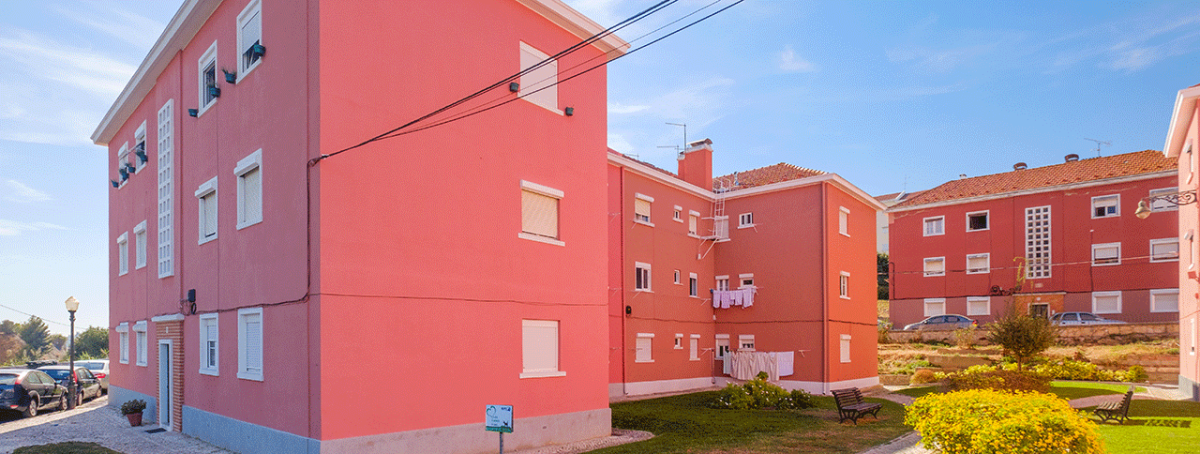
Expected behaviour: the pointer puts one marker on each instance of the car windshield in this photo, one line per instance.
(58, 374)
(92, 366)
(8, 379)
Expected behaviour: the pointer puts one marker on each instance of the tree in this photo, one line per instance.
(59, 341)
(8, 327)
(881, 265)
(35, 334)
(1022, 335)
(92, 343)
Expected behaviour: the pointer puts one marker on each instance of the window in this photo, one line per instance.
(845, 344)
(979, 305)
(935, 226)
(693, 220)
(935, 306)
(844, 221)
(641, 277)
(746, 342)
(1164, 250)
(1106, 206)
(745, 220)
(678, 214)
(1165, 300)
(722, 283)
(935, 266)
(539, 85)
(209, 351)
(641, 209)
(721, 227)
(1106, 302)
(645, 344)
(122, 161)
(250, 344)
(977, 221)
(844, 285)
(165, 190)
(139, 244)
(123, 330)
(1037, 242)
(123, 254)
(979, 263)
(539, 213)
(694, 346)
(139, 330)
(678, 280)
(1161, 204)
(249, 38)
(208, 90)
(679, 341)
(207, 196)
(1106, 254)
(249, 188)
(539, 349)
(693, 285)
(139, 148)
(746, 279)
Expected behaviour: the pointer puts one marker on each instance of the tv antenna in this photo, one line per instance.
(677, 147)
(1098, 144)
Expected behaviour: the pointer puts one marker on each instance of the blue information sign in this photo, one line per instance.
(499, 418)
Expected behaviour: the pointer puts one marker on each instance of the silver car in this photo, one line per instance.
(1081, 318)
(99, 368)
(942, 323)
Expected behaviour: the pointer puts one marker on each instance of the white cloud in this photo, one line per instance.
(619, 143)
(938, 60)
(126, 26)
(790, 62)
(618, 108)
(604, 12)
(14, 228)
(22, 193)
(40, 57)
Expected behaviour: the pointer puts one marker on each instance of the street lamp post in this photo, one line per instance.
(72, 306)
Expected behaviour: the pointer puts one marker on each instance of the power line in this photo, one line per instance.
(31, 315)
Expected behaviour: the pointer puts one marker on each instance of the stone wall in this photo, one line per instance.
(1067, 335)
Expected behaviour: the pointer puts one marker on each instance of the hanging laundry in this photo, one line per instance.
(748, 296)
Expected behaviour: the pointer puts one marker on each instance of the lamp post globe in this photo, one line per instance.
(72, 306)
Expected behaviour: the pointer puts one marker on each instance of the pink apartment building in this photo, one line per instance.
(799, 243)
(1183, 136)
(267, 300)
(1070, 228)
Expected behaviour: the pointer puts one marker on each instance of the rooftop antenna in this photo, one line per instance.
(684, 126)
(1098, 144)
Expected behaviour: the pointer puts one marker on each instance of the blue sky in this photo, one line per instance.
(890, 95)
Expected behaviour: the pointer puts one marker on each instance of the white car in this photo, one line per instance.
(99, 368)
(1081, 318)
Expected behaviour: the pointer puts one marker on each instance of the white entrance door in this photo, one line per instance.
(164, 384)
(723, 353)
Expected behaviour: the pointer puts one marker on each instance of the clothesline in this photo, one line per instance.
(724, 299)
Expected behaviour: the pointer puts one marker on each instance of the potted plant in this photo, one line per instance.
(132, 410)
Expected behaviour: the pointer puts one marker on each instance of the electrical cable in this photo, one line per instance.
(31, 315)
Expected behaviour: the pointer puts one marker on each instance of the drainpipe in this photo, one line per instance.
(624, 334)
(824, 297)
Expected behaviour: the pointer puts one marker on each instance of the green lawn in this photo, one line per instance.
(1065, 389)
(1156, 427)
(684, 424)
(70, 447)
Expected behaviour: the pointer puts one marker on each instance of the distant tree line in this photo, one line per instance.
(21, 342)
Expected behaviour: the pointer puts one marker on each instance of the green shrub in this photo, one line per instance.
(922, 377)
(757, 393)
(885, 333)
(964, 337)
(133, 406)
(1012, 380)
(1136, 374)
(995, 422)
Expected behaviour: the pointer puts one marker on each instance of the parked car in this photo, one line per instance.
(1081, 318)
(99, 368)
(28, 391)
(88, 385)
(942, 323)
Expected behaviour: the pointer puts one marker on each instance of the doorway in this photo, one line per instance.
(164, 384)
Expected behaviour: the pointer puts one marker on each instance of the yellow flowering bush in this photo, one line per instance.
(1000, 422)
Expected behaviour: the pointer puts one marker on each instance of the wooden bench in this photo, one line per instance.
(1115, 410)
(851, 406)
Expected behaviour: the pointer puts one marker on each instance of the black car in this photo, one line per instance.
(27, 391)
(88, 384)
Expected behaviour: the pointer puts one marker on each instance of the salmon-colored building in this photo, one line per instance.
(1183, 137)
(268, 297)
(771, 268)
(1068, 228)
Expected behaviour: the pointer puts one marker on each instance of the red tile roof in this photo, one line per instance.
(1083, 170)
(639, 161)
(902, 196)
(767, 175)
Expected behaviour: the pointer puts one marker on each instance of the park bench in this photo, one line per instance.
(851, 406)
(1115, 410)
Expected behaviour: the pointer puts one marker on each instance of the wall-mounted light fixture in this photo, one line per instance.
(514, 87)
(569, 111)
(1176, 199)
(193, 112)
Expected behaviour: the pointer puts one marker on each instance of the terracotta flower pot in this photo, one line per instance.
(135, 419)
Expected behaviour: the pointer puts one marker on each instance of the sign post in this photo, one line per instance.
(499, 418)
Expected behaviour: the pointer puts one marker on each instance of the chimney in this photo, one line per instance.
(1071, 157)
(695, 164)
(962, 176)
(1020, 166)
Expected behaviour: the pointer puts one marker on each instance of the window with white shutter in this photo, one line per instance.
(139, 329)
(123, 331)
(539, 349)
(935, 226)
(645, 348)
(249, 24)
(1106, 206)
(935, 306)
(250, 344)
(166, 143)
(539, 86)
(1106, 302)
(979, 305)
(641, 209)
(540, 213)
(1164, 250)
(694, 346)
(207, 196)
(123, 254)
(249, 187)
(1165, 300)
(209, 347)
(208, 89)
(1106, 254)
(845, 348)
(693, 220)
(979, 263)
(935, 266)
(844, 221)
(139, 244)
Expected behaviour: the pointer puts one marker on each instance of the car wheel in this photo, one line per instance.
(33, 407)
(78, 398)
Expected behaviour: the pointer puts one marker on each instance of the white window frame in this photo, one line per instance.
(166, 191)
(1187, 150)
(678, 278)
(207, 368)
(1163, 205)
(530, 346)
(844, 285)
(678, 341)
(936, 302)
(722, 283)
(1155, 294)
(123, 254)
(925, 223)
(987, 217)
(693, 285)
(649, 221)
(143, 340)
(1153, 243)
(139, 245)
(251, 9)
(548, 192)
(929, 260)
(987, 268)
(649, 350)
(139, 136)
(209, 188)
(209, 57)
(987, 305)
(645, 272)
(694, 347)
(123, 335)
(694, 224)
(743, 278)
(678, 214)
(122, 159)
(1103, 198)
(251, 162)
(1095, 295)
(243, 368)
(531, 83)
(844, 344)
(1096, 247)
(743, 341)
(844, 221)
(746, 220)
